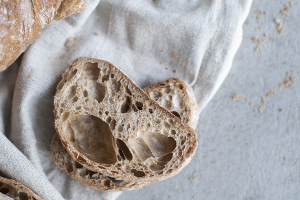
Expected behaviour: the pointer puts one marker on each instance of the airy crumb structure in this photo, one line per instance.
(177, 97)
(109, 125)
(10, 189)
(89, 178)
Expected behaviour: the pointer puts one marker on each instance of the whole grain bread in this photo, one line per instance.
(178, 97)
(22, 21)
(10, 189)
(95, 180)
(109, 125)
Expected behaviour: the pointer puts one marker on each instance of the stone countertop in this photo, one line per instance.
(243, 153)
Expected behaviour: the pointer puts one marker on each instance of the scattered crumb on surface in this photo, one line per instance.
(69, 42)
(29, 76)
(62, 56)
(160, 63)
(235, 127)
(255, 110)
(175, 71)
(169, 197)
(199, 160)
(75, 38)
(261, 109)
(238, 97)
(253, 176)
(194, 197)
(280, 109)
(161, 51)
(229, 160)
(96, 33)
(250, 103)
(175, 54)
(166, 68)
(61, 171)
(193, 178)
(211, 188)
(284, 158)
(263, 100)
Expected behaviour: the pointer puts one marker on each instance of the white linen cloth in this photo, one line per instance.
(147, 40)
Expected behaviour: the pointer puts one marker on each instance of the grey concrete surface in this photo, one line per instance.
(260, 158)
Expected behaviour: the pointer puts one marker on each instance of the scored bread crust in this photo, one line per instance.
(68, 7)
(178, 97)
(22, 22)
(89, 178)
(134, 123)
(16, 190)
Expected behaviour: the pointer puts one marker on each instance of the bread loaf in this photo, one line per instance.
(109, 125)
(22, 21)
(10, 189)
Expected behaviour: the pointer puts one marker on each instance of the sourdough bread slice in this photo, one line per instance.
(95, 180)
(109, 125)
(177, 97)
(11, 189)
(98, 181)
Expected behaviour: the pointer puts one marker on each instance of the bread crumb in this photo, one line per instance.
(169, 197)
(62, 171)
(235, 127)
(96, 33)
(229, 160)
(175, 54)
(253, 176)
(160, 63)
(284, 158)
(166, 68)
(255, 110)
(199, 160)
(75, 38)
(193, 178)
(263, 100)
(194, 197)
(261, 109)
(293, 79)
(238, 97)
(175, 71)
(29, 76)
(211, 188)
(69, 42)
(62, 56)
(280, 109)
(277, 20)
(250, 103)
(161, 51)
(258, 17)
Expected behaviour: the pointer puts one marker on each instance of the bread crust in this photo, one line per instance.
(16, 190)
(111, 170)
(22, 22)
(96, 181)
(189, 108)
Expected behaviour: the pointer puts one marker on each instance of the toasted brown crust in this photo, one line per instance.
(22, 22)
(68, 7)
(111, 170)
(189, 107)
(16, 190)
(91, 179)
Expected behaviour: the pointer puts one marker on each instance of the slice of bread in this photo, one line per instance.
(178, 97)
(95, 180)
(108, 124)
(99, 181)
(11, 189)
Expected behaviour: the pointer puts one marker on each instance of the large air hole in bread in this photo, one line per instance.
(93, 138)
